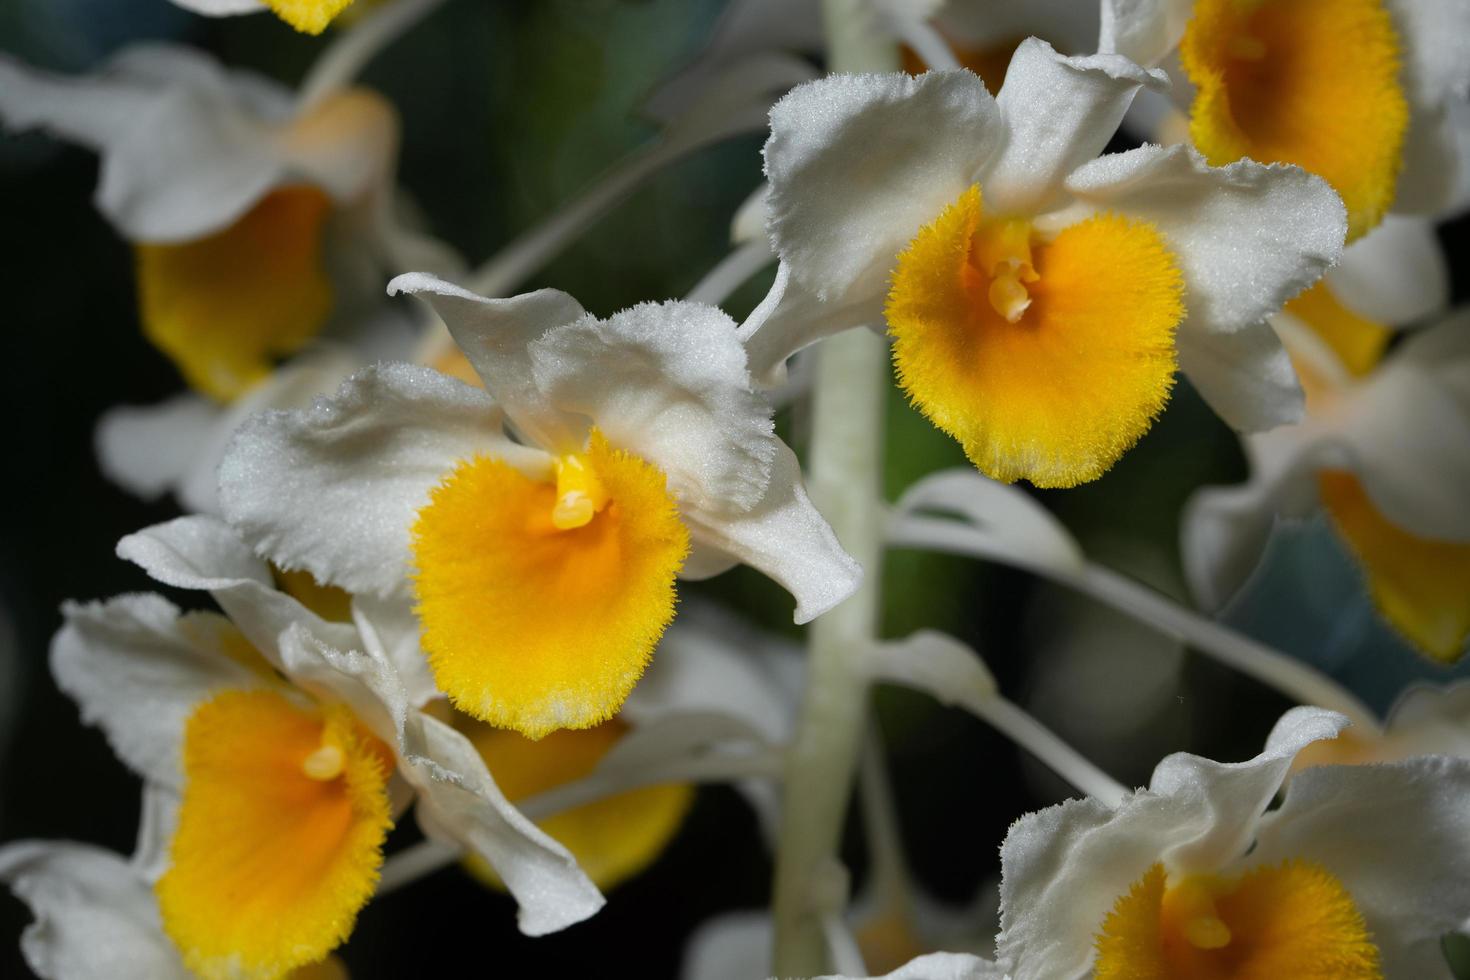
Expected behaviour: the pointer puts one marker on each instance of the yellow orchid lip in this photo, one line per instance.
(281, 827)
(225, 306)
(1295, 919)
(1046, 357)
(1310, 82)
(612, 839)
(541, 601)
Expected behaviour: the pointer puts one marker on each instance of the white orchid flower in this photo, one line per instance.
(307, 16)
(940, 966)
(1386, 452)
(1357, 874)
(287, 739)
(1427, 719)
(1036, 293)
(643, 455)
(1370, 94)
(255, 219)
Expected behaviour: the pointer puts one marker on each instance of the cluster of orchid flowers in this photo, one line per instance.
(444, 534)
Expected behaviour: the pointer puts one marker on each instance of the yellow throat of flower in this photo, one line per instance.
(281, 828)
(1418, 584)
(1291, 920)
(542, 600)
(225, 306)
(612, 839)
(1310, 82)
(1046, 357)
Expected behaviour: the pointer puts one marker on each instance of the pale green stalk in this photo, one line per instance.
(845, 469)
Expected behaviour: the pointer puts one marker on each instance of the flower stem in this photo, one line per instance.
(350, 52)
(845, 468)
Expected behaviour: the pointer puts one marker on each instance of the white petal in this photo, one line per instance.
(704, 666)
(1058, 114)
(941, 966)
(335, 489)
(667, 382)
(1063, 868)
(1223, 530)
(735, 946)
(1245, 375)
(181, 157)
(1395, 836)
(1431, 719)
(1001, 521)
(457, 796)
(1234, 795)
(205, 553)
(1396, 274)
(1247, 237)
(786, 538)
(792, 318)
(147, 449)
(137, 670)
(96, 918)
(858, 163)
(1143, 30)
(390, 630)
(221, 8)
(495, 335)
(292, 385)
(1434, 37)
(1434, 181)
(1410, 433)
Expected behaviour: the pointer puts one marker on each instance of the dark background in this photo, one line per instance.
(508, 109)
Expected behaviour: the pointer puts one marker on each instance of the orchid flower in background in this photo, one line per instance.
(1385, 449)
(972, 226)
(261, 229)
(1373, 95)
(288, 746)
(644, 455)
(1357, 874)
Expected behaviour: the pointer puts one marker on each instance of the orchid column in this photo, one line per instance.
(845, 470)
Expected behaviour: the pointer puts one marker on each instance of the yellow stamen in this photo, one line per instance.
(225, 306)
(534, 622)
(1310, 82)
(327, 762)
(1421, 586)
(612, 839)
(271, 861)
(579, 494)
(308, 16)
(1290, 920)
(1046, 359)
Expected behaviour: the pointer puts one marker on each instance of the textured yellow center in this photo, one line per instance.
(534, 617)
(613, 838)
(1310, 82)
(308, 16)
(1047, 358)
(1292, 920)
(280, 834)
(225, 306)
(1421, 586)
